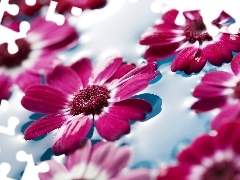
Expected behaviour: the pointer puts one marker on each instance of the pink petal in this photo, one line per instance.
(71, 134)
(44, 125)
(235, 141)
(218, 78)
(110, 68)
(122, 70)
(222, 18)
(178, 172)
(217, 54)
(136, 174)
(64, 79)
(52, 34)
(5, 84)
(27, 79)
(170, 16)
(54, 169)
(189, 60)
(192, 15)
(131, 87)
(235, 64)
(209, 91)
(130, 109)
(111, 128)
(198, 150)
(230, 41)
(118, 161)
(44, 99)
(83, 68)
(154, 53)
(79, 157)
(203, 105)
(227, 114)
(156, 36)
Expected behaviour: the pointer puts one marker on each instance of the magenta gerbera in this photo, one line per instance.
(191, 41)
(103, 161)
(220, 89)
(209, 157)
(36, 54)
(75, 97)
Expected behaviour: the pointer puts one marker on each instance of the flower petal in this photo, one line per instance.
(83, 68)
(111, 128)
(235, 64)
(77, 161)
(5, 83)
(218, 78)
(136, 174)
(154, 53)
(209, 91)
(27, 79)
(72, 133)
(170, 16)
(44, 125)
(131, 87)
(227, 114)
(130, 109)
(217, 54)
(230, 41)
(109, 69)
(222, 18)
(64, 79)
(55, 168)
(203, 105)
(44, 99)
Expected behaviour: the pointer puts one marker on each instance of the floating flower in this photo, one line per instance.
(102, 161)
(220, 89)
(36, 54)
(75, 97)
(209, 157)
(191, 41)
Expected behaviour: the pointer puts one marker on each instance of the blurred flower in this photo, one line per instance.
(190, 41)
(209, 157)
(220, 89)
(79, 95)
(103, 161)
(36, 54)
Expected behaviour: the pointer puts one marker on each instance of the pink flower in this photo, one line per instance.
(220, 89)
(36, 54)
(209, 157)
(191, 41)
(80, 95)
(102, 161)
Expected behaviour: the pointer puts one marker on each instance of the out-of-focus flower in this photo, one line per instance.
(209, 157)
(220, 89)
(75, 97)
(190, 41)
(36, 54)
(103, 161)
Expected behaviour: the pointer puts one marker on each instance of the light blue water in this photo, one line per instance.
(170, 127)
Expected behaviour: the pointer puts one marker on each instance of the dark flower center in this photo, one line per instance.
(90, 100)
(237, 91)
(221, 171)
(13, 60)
(196, 31)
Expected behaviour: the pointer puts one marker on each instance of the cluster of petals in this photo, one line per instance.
(37, 53)
(190, 42)
(103, 161)
(79, 95)
(209, 157)
(220, 89)
(62, 6)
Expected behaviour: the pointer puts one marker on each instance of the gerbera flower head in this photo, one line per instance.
(77, 96)
(209, 157)
(102, 161)
(190, 42)
(36, 53)
(220, 89)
